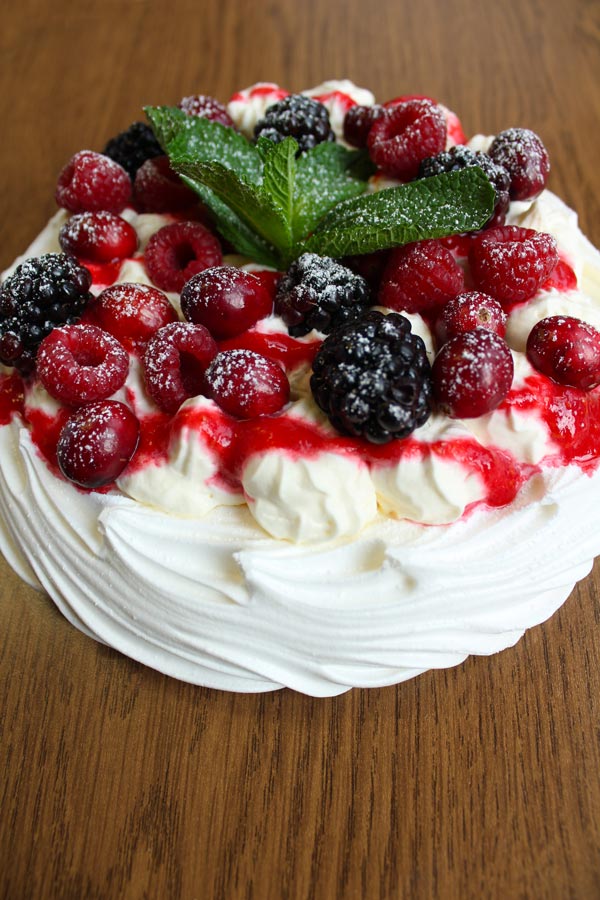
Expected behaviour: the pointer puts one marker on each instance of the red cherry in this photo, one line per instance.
(175, 362)
(97, 442)
(246, 384)
(567, 350)
(133, 312)
(472, 374)
(226, 300)
(468, 311)
(98, 237)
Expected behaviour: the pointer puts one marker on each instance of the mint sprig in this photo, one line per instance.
(273, 204)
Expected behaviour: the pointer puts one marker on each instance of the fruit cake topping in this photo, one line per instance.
(131, 148)
(511, 263)
(98, 237)
(358, 122)
(373, 378)
(226, 300)
(318, 292)
(178, 251)
(207, 107)
(302, 118)
(420, 277)
(467, 311)
(41, 294)
(157, 188)
(97, 442)
(133, 313)
(567, 350)
(91, 182)
(524, 156)
(246, 384)
(408, 133)
(175, 363)
(472, 374)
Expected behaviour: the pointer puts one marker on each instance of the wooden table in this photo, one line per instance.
(117, 782)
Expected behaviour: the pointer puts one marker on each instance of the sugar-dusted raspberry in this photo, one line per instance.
(472, 374)
(566, 350)
(454, 130)
(526, 160)
(247, 384)
(226, 300)
(175, 363)
(178, 251)
(81, 363)
(420, 277)
(468, 311)
(91, 182)
(157, 188)
(511, 263)
(405, 135)
(97, 442)
(358, 121)
(98, 237)
(133, 312)
(207, 108)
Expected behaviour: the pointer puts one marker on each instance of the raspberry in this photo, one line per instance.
(297, 116)
(468, 311)
(420, 277)
(226, 300)
(511, 263)
(357, 123)
(525, 158)
(40, 295)
(98, 237)
(460, 157)
(373, 379)
(472, 374)
(562, 278)
(91, 182)
(454, 129)
(131, 148)
(178, 251)
(207, 108)
(157, 188)
(318, 292)
(246, 384)
(567, 350)
(97, 442)
(175, 362)
(133, 313)
(81, 363)
(405, 135)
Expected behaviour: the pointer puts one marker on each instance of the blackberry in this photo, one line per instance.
(43, 293)
(304, 119)
(373, 378)
(318, 292)
(461, 157)
(131, 148)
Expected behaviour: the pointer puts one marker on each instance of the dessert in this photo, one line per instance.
(326, 428)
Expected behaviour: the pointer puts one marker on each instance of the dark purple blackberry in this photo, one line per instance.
(373, 378)
(304, 119)
(318, 292)
(358, 121)
(43, 293)
(131, 148)
(461, 157)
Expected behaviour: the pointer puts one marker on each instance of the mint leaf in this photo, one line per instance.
(279, 179)
(451, 203)
(198, 139)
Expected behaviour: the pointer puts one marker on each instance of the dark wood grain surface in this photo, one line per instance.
(116, 782)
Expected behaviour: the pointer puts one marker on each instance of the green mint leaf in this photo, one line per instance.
(451, 203)
(279, 179)
(197, 139)
(326, 175)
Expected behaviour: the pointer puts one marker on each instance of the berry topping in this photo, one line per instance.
(157, 188)
(175, 363)
(91, 182)
(81, 363)
(41, 294)
(226, 300)
(405, 135)
(297, 116)
(468, 311)
(178, 251)
(99, 237)
(373, 379)
(97, 442)
(567, 350)
(131, 148)
(358, 121)
(472, 374)
(133, 312)
(525, 158)
(318, 292)
(460, 157)
(420, 277)
(207, 108)
(511, 263)
(246, 384)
